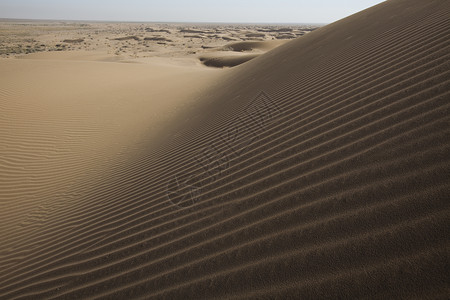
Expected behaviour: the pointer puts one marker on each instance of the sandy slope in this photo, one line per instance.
(319, 169)
(67, 118)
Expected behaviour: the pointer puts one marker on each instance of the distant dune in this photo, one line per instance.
(242, 52)
(319, 169)
(252, 45)
(220, 60)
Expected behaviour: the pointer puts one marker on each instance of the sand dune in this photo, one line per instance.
(316, 170)
(221, 57)
(252, 45)
(66, 118)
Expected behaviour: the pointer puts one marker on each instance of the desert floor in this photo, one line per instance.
(140, 42)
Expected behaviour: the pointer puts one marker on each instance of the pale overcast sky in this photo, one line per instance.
(240, 11)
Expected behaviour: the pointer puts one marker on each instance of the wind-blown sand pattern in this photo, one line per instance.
(319, 169)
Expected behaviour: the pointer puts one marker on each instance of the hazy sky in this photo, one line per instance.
(251, 11)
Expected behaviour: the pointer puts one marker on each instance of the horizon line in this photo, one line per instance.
(164, 22)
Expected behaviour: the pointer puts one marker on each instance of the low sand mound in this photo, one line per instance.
(194, 36)
(317, 170)
(253, 45)
(192, 31)
(255, 35)
(158, 39)
(242, 52)
(226, 60)
(149, 29)
(228, 38)
(287, 36)
(127, 38)
(275, 29)
(73, 41)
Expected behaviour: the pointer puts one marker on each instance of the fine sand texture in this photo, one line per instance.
(318, 169)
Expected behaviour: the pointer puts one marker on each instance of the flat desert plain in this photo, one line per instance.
(196, 161)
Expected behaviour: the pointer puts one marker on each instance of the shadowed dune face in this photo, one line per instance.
(316, 170)
(252, 45)
(242, 52)
(220, 61)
